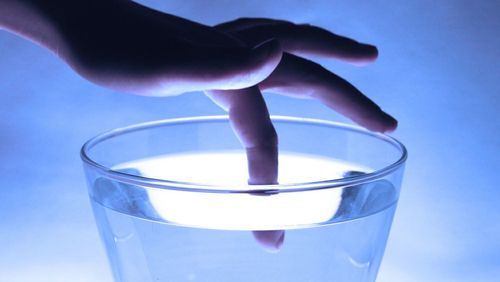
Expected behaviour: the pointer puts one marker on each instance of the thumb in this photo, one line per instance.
(228, 68)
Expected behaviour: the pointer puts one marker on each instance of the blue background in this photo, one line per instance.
(437, 73)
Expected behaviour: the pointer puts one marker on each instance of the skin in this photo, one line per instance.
(128, 47)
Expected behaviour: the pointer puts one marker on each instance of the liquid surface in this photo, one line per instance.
(242, 211)
(229, 168)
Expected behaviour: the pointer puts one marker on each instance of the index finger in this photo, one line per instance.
(302, 39)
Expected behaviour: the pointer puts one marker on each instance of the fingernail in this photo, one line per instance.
(271, 240)
(280, 241)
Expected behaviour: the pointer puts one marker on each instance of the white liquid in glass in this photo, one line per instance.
(170, 235)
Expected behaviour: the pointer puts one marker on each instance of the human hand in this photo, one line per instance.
(131, 48)
(211, 59)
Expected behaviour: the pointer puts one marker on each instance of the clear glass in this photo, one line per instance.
(171, 202)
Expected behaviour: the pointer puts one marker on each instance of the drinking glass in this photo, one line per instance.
(172, 203)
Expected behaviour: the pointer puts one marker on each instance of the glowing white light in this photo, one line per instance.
(241, 211)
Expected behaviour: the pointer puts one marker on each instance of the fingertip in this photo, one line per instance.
(248, 68)
(253, 67)
(379, 122)
(366, 54)
(390, 123)
(267, 54)
(267, 44)
(271, 240)
(371, 51)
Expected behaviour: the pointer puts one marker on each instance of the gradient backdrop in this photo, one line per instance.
(437, 73)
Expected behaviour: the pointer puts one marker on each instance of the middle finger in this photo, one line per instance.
(299, 77)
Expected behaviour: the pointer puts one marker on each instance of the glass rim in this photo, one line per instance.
(262, 188)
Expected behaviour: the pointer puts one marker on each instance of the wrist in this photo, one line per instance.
(30, 19)
(52, 23)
